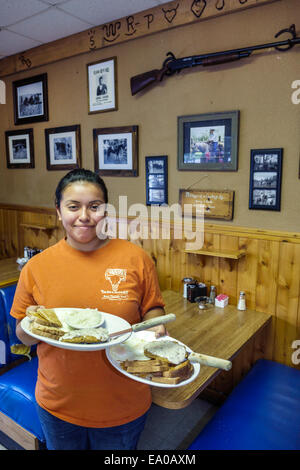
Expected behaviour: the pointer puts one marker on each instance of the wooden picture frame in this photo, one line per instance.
(116, 151)
(102, 86)
(265, 179)
(63, 148)
(208, 142)
(30, 97)
(19, 149)
(156, 180)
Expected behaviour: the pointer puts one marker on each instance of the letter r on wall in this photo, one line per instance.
(2, 92)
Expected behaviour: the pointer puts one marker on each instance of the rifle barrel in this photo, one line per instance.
(192, 61)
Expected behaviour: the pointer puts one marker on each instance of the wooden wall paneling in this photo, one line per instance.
(228, 268)
(247, 271)
(286, 328)
(267, 276)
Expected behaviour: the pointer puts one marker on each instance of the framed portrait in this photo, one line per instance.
(116, 151)
(208, 142)
(31, 99)
(63, 148)
(19, 149)
(156, 180)
(102, 86)
(265, 179)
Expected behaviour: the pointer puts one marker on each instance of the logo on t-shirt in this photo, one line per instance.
(115, 276)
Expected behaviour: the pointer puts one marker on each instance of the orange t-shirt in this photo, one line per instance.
(82, 387)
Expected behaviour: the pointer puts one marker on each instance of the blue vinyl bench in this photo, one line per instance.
(19, 421)
(262, 413)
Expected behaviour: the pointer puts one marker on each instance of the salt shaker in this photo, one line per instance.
(242, 301)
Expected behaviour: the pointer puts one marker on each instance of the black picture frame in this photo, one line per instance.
(63, 148)
(156, 180)
(30, 96)
(265, 179)
(19, 149)
(208, 142)
(116, 151)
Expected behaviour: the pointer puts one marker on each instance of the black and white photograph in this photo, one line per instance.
(19, 149)
(31, 99)
(102, 86)
(156, 180)
(115, 151)
(265, 179)
(63, 149)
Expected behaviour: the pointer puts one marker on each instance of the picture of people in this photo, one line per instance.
(265, 179)
(19, 149)
(102, 91)
(30, 100)
(264, 197)
(101, 88)
(115, 151)
(156, 180)
(206, 145)
(62, 148)
(265, 162)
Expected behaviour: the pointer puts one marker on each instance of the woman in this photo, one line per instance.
(83, 402)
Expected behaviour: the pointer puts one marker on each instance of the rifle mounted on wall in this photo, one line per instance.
(172, 65)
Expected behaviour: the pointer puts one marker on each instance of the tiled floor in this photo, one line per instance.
(173, 429)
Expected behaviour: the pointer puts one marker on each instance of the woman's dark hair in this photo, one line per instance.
(74, 176)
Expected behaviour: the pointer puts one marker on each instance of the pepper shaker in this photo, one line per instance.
(242, 301)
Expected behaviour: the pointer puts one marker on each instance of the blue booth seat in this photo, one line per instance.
(262, 413)
(17, 385)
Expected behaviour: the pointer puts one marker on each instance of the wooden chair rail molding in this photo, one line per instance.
(269, 272)
(163, 17)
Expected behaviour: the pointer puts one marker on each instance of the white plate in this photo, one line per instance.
(149, 336)
(111, 322)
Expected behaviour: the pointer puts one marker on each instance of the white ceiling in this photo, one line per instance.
(29, 23)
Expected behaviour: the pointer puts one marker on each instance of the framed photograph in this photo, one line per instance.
(265, 179)
(102, 86)
(31, 99)
(156, 180)
(116, 151)
(63, 148)
(208, 142)
(19, 149)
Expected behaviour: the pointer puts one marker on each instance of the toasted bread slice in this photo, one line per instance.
(177, 379)
(49, 315)
(182, 370)
(47, 331)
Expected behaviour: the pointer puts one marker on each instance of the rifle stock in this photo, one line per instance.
(139, 82)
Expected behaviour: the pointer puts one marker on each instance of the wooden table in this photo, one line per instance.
(9, 272)
(219, 332)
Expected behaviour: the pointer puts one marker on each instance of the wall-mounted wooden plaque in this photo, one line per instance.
(216, 204)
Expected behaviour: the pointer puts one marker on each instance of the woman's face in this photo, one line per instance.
(81, 209)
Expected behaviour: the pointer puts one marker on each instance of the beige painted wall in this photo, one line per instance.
(260, 87)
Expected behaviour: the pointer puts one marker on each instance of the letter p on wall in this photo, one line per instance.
(2, 92)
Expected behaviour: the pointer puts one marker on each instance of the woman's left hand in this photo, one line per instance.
(159, 330)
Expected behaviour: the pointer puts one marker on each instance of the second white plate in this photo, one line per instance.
(137, 345)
